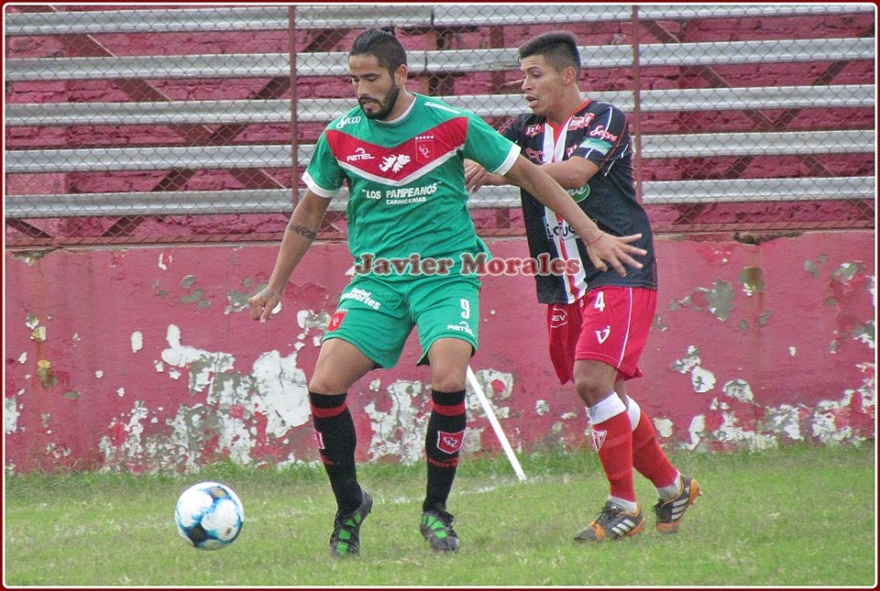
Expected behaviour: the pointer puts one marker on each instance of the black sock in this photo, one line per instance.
(443, 442)
(337, 440)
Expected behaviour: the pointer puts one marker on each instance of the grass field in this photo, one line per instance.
(792, 517)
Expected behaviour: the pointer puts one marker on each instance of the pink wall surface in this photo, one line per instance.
(145, 359)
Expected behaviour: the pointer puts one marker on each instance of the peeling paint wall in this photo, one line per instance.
(146, 359)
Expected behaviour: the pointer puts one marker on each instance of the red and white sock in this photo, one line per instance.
(612, 438)
(649, 458)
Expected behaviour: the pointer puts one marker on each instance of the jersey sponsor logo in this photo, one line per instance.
(359, 154)
(449, 443)
(336, 320)
(405, 192)
(347, 121)
(394, 162)
(403, 195)
(593, 144)
(580, 194)
(559, 317)
(536, 156)
(363, 296)
(533, 130)
(580, 121)
(460, 327)
(406, 201)
(602, 335)
(600, 132)
(446, 108)
(559, 230)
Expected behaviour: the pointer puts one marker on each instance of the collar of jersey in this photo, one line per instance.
(403, 116)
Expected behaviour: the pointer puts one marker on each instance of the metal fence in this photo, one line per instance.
(151, 124)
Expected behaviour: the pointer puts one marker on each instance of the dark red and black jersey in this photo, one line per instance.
(598, 132)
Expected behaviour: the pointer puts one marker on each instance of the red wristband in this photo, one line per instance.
(592, 242)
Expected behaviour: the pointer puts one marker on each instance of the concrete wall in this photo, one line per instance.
(145, 359)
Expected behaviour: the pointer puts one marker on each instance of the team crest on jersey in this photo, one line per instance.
(424, 148)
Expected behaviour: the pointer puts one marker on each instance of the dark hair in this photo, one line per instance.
(382, 44)
(559, 48)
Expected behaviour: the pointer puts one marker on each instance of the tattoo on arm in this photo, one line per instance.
(303, 231)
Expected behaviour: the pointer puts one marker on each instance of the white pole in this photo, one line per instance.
(487, 407)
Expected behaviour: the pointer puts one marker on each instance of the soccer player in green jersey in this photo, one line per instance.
(402, 156)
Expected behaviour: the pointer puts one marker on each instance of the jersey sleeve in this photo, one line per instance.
(605, 137)
(490, 149)
(323, 175)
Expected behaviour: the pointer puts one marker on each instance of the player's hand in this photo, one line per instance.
(263, 303)
(615, 251)
(474, 176)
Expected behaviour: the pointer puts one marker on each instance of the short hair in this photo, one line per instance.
(559, 48)
(383, 45)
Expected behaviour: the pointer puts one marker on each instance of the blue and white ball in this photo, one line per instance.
(209, 515)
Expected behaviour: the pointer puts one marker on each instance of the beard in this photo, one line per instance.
(385, 106)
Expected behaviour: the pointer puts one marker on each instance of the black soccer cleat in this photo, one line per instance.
(436, 528)
(347, 528)
(669, 513)
(613, 523)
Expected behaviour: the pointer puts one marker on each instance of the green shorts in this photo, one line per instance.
(377, 316)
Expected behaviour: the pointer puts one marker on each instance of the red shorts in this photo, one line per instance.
(609, 324)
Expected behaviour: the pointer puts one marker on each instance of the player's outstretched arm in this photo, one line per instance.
(301, 232)
(476, 177)
(602, 248)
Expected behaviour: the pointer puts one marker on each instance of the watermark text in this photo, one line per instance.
(468, 264)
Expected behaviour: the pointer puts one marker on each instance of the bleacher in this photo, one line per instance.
(274, 109)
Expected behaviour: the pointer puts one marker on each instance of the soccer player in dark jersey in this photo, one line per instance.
(598, 320)
(402, 155)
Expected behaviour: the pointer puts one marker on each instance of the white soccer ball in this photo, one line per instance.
(209, 515)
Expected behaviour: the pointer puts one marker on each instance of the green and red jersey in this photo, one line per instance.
(405, 178)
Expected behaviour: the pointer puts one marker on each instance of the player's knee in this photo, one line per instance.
(590, 388)
(447, 384)
(593, 380)
(328, 385)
